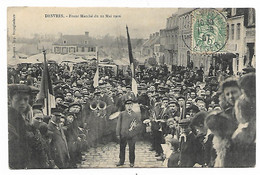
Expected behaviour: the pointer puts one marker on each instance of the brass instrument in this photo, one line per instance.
(133, 125)
(93, 105)
(102, 105)
(97, 105)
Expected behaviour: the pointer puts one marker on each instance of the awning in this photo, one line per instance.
(224, 55)
(121, 62)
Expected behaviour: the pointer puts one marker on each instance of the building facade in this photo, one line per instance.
(80, 45)
(184, 37)
(169, 41)
(250, 37)
(151, 48)
(241, 38)
(239, 51)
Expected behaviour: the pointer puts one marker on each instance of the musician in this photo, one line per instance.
(127, 129)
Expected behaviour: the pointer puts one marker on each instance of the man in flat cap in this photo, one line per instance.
(173, 109)
(127, 129)
(73, 133)
(129, 94)
(18, 125)
(69, 97)
(59, 145)
(59, 99)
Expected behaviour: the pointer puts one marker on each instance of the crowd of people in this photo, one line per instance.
(191, 120)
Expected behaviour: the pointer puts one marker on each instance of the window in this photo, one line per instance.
(64, 42)
(82, 49)
(86, 42)
(72, 50)
(251, 17)
(91, 49)
(64, 50)
(232, 31)
(57, 49)
(238, 31)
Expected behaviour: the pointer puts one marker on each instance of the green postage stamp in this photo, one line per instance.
(209, 31)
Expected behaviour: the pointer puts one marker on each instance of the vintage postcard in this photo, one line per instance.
(131, 87)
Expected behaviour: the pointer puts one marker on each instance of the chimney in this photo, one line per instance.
(87, 34)
(157, 33)
(153, 35)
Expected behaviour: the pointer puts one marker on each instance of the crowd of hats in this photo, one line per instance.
(75, 87)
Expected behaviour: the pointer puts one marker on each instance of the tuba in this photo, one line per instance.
(93, 105)
(98, 107)
(102, 105)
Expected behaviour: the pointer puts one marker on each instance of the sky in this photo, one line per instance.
(141, 21)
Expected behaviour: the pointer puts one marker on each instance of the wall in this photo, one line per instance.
(236, 45)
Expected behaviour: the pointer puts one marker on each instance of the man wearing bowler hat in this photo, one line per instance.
(127, 129)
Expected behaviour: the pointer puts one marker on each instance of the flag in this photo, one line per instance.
(134, 86)
(95, 84)
(46, 94)
(131, 60)
(96, 77)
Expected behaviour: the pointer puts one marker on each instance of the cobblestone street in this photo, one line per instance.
(106, 156)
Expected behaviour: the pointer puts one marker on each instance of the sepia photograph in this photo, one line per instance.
(100, 87)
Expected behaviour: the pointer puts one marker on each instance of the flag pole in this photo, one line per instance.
(131, 60)
(45, 87)
(96, 77)
(97, 60)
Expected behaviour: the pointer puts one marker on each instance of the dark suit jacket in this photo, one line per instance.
(173, 160)
(17, 140)
(124, 123)
(189, 151)
(59, 146)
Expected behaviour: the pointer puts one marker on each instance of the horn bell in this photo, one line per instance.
(102, 105)
(93, 105)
